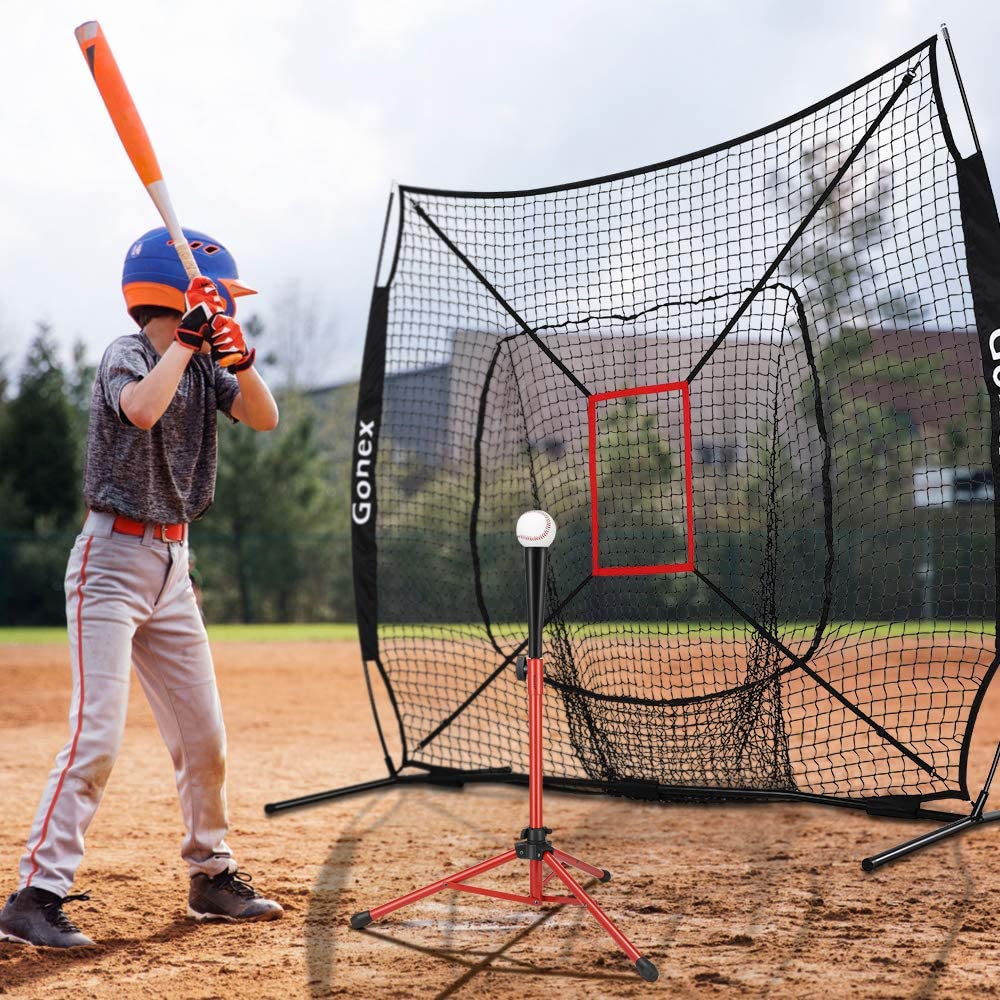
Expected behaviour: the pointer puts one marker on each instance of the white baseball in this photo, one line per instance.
(535, 529)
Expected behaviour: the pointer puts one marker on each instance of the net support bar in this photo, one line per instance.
(977, 817)
(908, 78)
(880, 731)
(507, 307)
(439, 777)
(927, 839)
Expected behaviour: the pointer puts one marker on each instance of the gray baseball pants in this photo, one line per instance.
(130, 600)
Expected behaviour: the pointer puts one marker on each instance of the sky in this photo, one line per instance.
(282, 126)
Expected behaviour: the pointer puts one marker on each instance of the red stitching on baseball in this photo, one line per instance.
(535, 538)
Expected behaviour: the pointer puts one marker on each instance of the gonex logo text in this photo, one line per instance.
(361, 508)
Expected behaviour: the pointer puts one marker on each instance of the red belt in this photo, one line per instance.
(161, 532)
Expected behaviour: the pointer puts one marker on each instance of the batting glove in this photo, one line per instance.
(229, 349)
(193, 328)
(203, 291)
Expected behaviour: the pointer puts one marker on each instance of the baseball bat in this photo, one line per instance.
(132, 132)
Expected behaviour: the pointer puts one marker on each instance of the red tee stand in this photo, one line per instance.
(534, 845)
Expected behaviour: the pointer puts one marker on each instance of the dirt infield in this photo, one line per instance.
(739, 901)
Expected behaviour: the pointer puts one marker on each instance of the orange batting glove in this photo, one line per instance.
(203, 291)
(229, 349)
(201, 301)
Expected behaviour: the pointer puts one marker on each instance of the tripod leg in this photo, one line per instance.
(643, 966)
(365, 917)
(602, 873)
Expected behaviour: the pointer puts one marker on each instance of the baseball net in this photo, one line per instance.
(753, 386)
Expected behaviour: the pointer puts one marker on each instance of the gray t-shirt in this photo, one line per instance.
(166, 474)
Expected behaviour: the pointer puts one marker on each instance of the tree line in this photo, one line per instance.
(275, 546)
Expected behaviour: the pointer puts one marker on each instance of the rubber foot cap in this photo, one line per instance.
(647, 970)
(867, 865)
(606, 877)
(360, 920)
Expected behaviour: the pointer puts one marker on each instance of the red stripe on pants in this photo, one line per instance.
(79, 715)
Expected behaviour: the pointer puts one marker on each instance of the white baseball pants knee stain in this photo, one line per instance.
(129, 599)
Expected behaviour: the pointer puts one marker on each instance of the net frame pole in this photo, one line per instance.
(977, 817)
(961, 86)
(442, 777)
(876, 861)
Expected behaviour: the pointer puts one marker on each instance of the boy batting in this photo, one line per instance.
(150, 471)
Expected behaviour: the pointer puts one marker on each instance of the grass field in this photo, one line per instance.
(324, 632)
(335, 631)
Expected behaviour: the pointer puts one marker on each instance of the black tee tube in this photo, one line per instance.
(535, 561)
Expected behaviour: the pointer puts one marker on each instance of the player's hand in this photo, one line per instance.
(202, 301)
(229, 349)
(203, 291)
(194, 328)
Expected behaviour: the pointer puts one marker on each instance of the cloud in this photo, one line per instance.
(281, 125)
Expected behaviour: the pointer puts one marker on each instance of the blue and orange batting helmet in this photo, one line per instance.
(154, 276)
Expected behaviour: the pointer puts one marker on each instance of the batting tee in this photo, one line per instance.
(755, 387)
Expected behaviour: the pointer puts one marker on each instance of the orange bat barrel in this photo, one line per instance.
(118, 101)
(132, 133)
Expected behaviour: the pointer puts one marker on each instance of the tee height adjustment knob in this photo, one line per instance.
(521, 668)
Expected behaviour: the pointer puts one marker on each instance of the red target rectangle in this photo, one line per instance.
(634, 507)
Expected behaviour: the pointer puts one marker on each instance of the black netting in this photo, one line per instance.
(748, 385)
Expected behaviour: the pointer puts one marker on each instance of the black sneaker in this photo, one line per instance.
(229, 896)
(35, 916)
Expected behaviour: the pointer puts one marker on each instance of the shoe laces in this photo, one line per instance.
(55, 916)
(238, 883)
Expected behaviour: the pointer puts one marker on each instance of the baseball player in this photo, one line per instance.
(150, 471)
